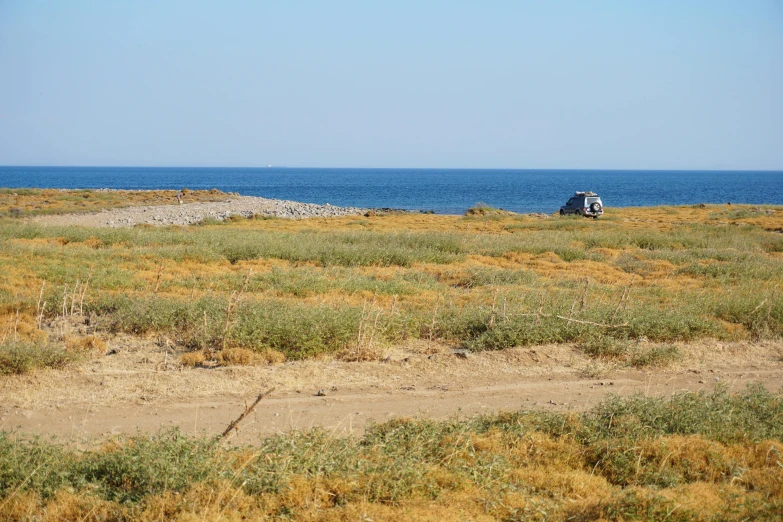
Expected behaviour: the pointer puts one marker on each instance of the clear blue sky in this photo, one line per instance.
(494, 84)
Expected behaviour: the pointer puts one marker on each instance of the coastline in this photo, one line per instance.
(196, 212)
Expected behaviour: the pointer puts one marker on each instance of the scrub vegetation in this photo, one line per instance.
(345, 286)
(693, 456)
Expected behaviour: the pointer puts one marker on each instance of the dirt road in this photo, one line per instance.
(140, 389)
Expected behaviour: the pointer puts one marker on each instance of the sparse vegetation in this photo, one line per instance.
(694, 456)
(483, 283)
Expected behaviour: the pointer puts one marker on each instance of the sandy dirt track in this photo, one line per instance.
(140, 389)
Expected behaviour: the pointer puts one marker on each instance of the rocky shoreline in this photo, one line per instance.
(192, 213)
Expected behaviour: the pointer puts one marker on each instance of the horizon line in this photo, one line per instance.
(263, 167)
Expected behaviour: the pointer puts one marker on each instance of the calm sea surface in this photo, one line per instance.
(445, 191)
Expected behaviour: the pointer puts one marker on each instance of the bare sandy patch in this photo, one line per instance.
(142, 386)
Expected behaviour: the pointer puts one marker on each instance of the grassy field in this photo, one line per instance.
(273, 289)
(628, 288)
(694, 456)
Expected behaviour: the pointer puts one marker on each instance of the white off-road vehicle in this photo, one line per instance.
(586, 204)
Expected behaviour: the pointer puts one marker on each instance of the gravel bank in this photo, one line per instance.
(191, 213)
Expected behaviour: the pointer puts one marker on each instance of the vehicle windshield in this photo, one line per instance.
(590, 201)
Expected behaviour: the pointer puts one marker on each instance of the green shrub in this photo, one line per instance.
(751, 416)
(147, 466)
(23, 357)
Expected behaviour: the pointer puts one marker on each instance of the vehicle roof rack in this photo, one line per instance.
(586, 193)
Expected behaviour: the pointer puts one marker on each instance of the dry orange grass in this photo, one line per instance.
(232, 357)
(85, 344)
(20, 326)
(193, 358)
(236, 357)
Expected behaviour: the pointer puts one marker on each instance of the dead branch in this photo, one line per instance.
(65, 298)
(583, 302)
(624, 298)
(540, 312)
(157, 279)
(39, 318)
(361, 325)
(592, 323)
(83, 292)
(758, 307)
(492, 314)
(38, 308)
(248, 410)
(432, 326)
(374, 326)
(232, 304)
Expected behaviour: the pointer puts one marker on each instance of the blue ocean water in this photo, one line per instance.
(445, 191)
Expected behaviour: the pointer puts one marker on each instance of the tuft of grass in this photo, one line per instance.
(193, 359)
(209, 221)
(605, 347)
(236, 357)
(483, 209)
(658, 356)
(85, 344)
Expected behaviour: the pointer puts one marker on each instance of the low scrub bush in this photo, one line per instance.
(483, 209)
(655, 356)
(476, 277)
(23, 357)
(296, 330)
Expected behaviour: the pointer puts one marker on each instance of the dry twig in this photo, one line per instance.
(157, 279)
(432, 326)
(232, 303)
(624, 298)
(248, 410)
(592, 323)
(39, 308)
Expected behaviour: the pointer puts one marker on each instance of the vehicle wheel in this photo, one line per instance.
(578, 212)
(595, 217)
(562, 212)
(595, 207)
